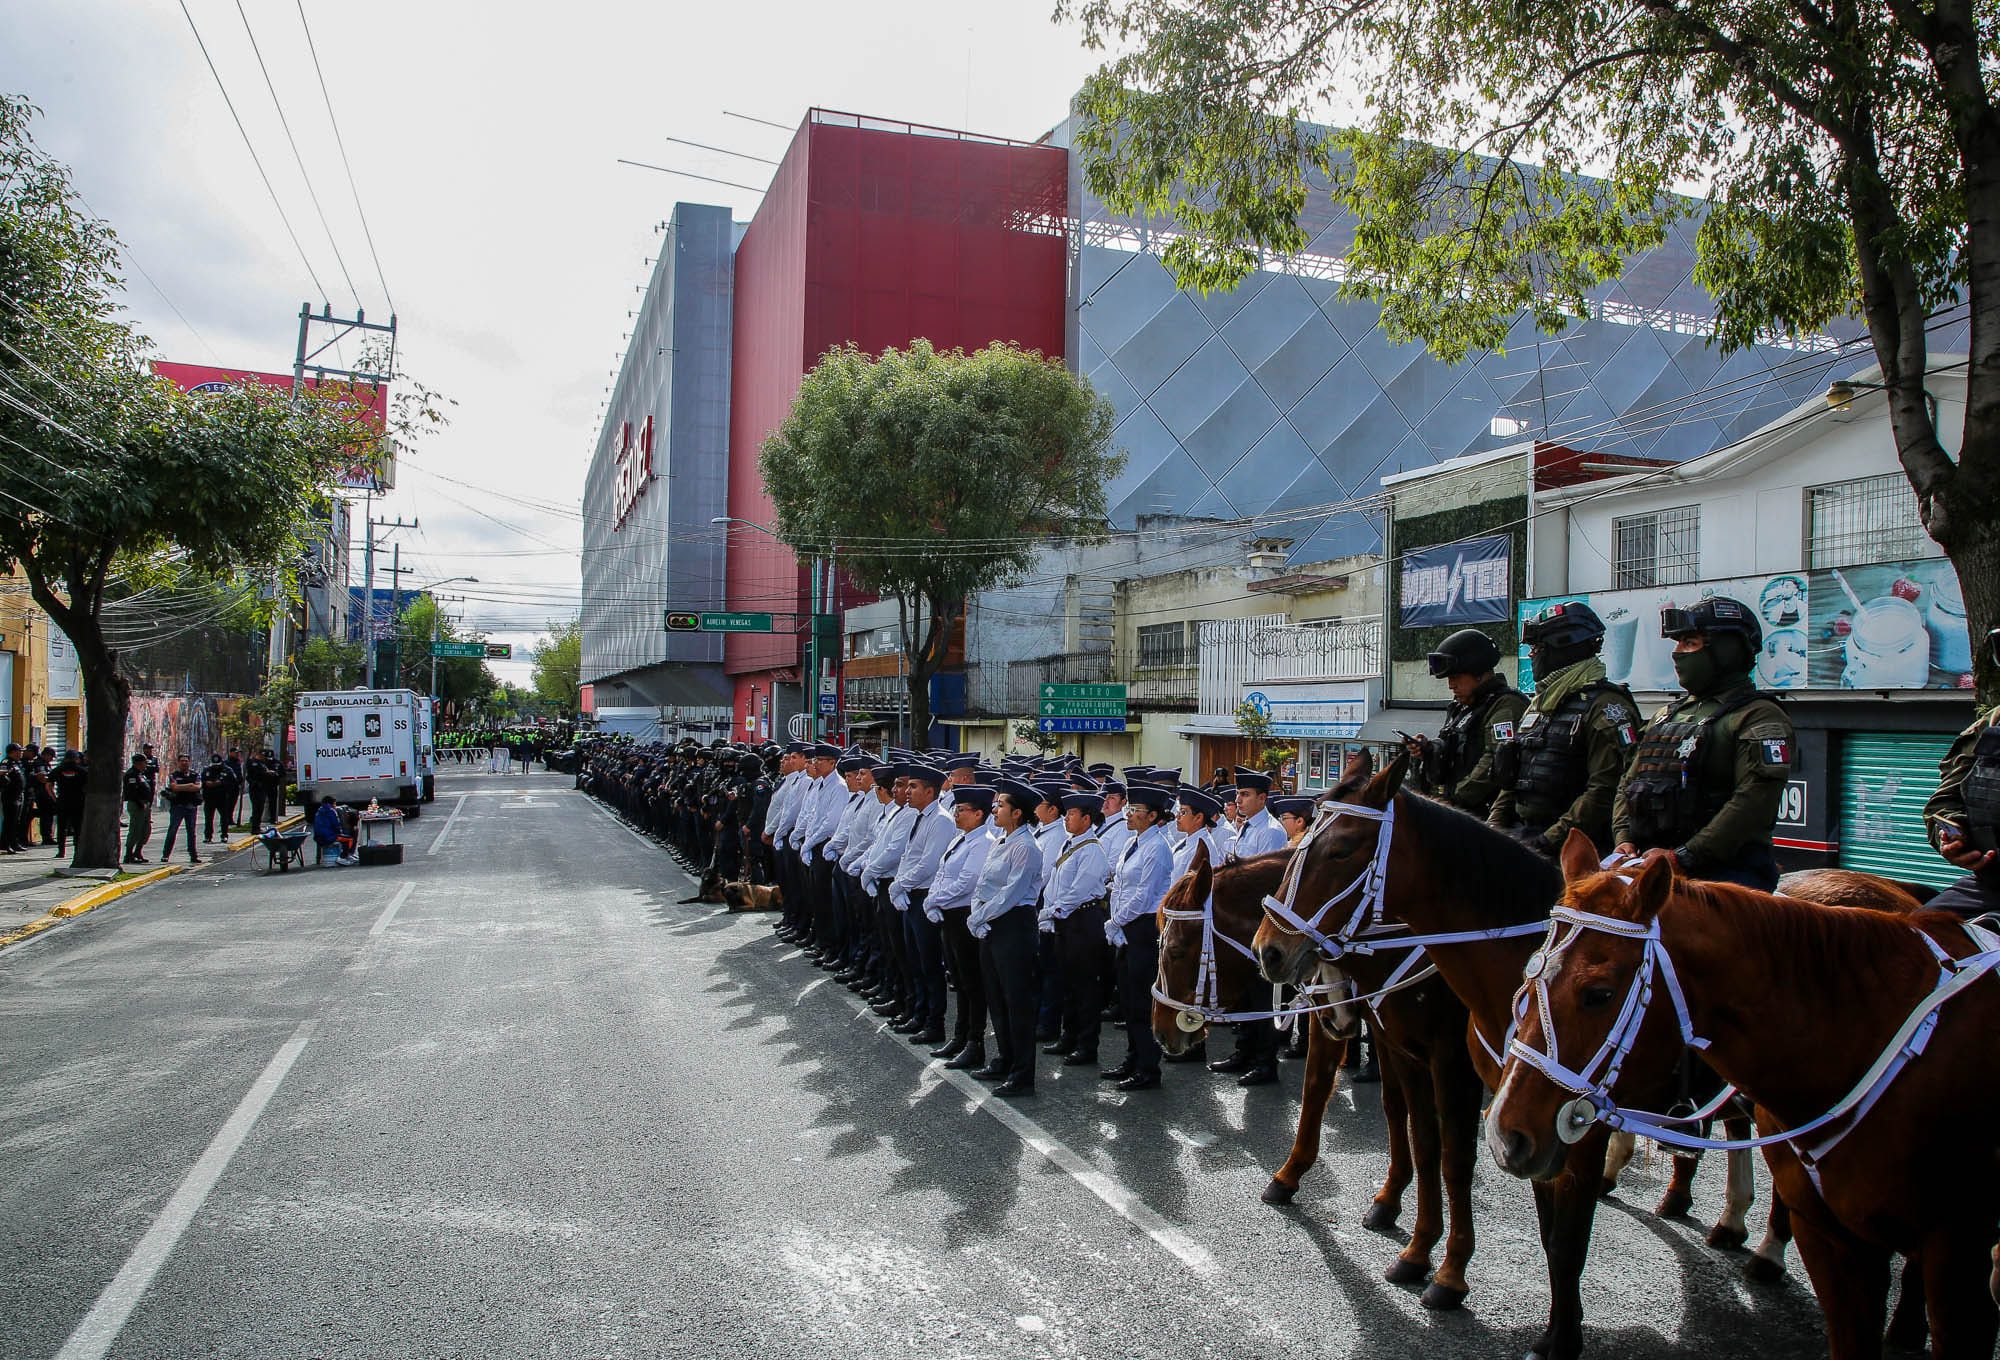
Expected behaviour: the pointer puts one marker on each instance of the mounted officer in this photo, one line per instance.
(1708, 775)
(1562, 766)
(1457, 768)
(1963, 816)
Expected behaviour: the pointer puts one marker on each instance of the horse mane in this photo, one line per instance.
(1845, 942)
(1226, 877)
(1483, 864)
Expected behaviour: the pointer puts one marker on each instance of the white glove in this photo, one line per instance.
(933, 915)
(899, 899)
(1046, 923)
(828, 853)
(1114, 934)
(979, 931)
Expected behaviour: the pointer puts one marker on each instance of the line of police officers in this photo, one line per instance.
(1030, 889)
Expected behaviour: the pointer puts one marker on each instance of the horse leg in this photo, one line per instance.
(1909, 1329)
(1566, 1207)
(1766, 1265)
(1413, 1263)
(1731, 1230)
(1323, 1055)
(1617, 1156)
(1458, 1093)
(1680, 1189)
(1850, 1278)
(1963, 1320)
(1388, 1203)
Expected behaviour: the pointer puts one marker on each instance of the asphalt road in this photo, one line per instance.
(514, 1099)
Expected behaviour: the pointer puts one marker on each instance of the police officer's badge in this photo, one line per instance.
(1686, 748)
(1615, 712)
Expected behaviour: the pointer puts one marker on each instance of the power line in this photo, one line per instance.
(254, 157)
(340, 142)
(689, 174)
(292, 142)
(719, 150)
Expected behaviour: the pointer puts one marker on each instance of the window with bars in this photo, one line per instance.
(1661, 548)
(1870, 519)
(1163, 644)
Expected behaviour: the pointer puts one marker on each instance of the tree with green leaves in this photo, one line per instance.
(110, 473)
(459, 678)
(558, 656)
(1843, 160)
(328, 663)
(928, 474)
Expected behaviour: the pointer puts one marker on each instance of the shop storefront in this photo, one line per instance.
(1883, 782)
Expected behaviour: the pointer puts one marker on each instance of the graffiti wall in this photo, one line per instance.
(177, 723)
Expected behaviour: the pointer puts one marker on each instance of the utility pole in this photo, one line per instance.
(368, 587)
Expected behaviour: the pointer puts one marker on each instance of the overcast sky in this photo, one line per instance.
(484, 142)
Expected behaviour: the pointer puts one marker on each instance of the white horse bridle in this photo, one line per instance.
(1592, 1082)
(1206, 1008)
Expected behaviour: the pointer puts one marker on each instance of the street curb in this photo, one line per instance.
(94, 898)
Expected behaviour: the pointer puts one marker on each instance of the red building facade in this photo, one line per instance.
(872, 233)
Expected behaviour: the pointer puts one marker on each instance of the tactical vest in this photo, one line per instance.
(1982, 791)
(1666, 798)
(1547, 764)
(1459, 738)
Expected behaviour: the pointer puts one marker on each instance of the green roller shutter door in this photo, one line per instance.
(1885, 780)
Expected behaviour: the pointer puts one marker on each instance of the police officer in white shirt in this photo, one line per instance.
(876, 806)
(1259, 833)
(923, 945)
(1073, 910)
(894, 998)
(1049, 836)
(948, 904)
(1255, 1061)
(1003, 921)
(1114, 834)
(784, 810)
(1139, 882)
(852, 771)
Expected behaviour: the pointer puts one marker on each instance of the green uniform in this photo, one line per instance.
(1458, 767)
(1562, 766)
(1948, 803)
(1706, 782)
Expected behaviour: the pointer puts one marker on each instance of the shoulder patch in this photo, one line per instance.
(1616, 712)
(1777, 752)
(1503, 731)
(1625, 734)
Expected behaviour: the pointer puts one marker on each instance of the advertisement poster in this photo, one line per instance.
(1458, 584)
(1889, 625)
(1636, 656)
(374, 465)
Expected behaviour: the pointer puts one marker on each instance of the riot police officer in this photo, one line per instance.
(1485, 710)
(1562, 765)
(1709, 771)
(1963, 816)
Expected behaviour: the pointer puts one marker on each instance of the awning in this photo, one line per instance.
(1386, 725)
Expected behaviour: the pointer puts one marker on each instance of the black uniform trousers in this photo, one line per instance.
(889, 930)
(923, 945)
(961, 954)
(826, 919)
(214, 805)
(1081, 947)
(1138, 965)
(262, 805)
(1973, 895)
(1008, 958)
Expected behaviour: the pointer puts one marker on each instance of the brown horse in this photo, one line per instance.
(1796, 1003)
(1446, 873)
(1430, 1095)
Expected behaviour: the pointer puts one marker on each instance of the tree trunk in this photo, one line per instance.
(107, 701)
(918, 678)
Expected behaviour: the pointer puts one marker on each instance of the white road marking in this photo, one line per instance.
(389, 912)
(810, 988)
(449, 823)
(625, 826)
(94, 1336)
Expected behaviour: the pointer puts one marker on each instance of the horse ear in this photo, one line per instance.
(1656, 881)
(1201, 871)
(1579, 855)
(1382, 788)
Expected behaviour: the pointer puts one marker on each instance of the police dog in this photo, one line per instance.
(748, 896)
(711, 890)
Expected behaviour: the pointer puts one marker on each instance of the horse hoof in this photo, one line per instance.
(1725, 1238)
(1441, 1298)
(1674, 1204)
(1405, 1271)
(1277, 1192)
(1763, 1270)
(1379, 1218)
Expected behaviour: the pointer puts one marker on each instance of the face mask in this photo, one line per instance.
(1696, 671)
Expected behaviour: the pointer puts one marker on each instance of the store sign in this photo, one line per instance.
(1457, 584)
(1327, 709)
(635, 470)
(65, 673)
(1885, 626)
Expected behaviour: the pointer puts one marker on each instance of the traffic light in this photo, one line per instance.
(683, 623)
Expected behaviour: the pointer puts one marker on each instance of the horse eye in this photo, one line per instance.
(1596, 998)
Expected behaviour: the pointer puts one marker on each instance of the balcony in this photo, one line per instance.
(1239, 654)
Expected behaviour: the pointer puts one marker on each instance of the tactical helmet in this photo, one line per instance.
(1565, 625)
(1466, 652)
(1716, 614)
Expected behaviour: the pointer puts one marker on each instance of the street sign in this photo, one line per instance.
(458, 649)
(680, 621)
(795, 726)
(1052, 691)
(499, 651)
(829, 702)
(1083, 708)
(1081, 724)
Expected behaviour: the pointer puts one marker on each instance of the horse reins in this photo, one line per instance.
(1591, 1084)
(1207, 1007)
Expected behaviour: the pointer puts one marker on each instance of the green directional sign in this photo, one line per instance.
(692, 621)
(1083, 708)
(1053, 691)
(458, 649)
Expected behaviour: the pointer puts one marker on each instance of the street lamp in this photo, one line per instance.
(822, 602)
(436, 611)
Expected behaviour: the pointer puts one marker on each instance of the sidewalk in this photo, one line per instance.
(33, 896)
